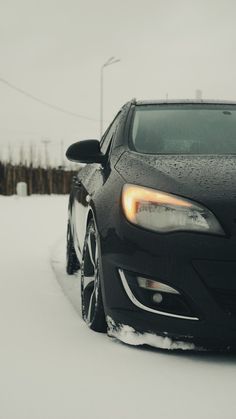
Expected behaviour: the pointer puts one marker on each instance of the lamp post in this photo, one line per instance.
(112, 60)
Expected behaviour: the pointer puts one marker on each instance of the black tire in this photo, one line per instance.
(72, 263)
(91, 296)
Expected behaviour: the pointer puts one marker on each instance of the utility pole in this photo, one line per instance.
(46, 157)
(62, 153)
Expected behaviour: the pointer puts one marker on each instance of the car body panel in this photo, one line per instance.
(208, 180)
(196, 264)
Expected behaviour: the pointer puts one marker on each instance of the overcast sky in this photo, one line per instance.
(54, 50)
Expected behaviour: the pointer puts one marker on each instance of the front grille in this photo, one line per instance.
(226, 299)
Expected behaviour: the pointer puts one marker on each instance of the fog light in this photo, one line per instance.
(157, 298)
(151, 285)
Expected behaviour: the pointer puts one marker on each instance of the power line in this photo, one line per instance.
(43, 102)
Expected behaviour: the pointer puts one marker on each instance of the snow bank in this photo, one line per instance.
(53, 367)
(128, 335)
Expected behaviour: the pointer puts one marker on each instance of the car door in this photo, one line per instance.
(89, 180)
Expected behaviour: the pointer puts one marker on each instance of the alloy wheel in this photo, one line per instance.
(92, 305)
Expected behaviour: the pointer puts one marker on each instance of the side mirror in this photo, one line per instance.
(87, 151)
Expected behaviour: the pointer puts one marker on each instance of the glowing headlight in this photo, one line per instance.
(162, 212)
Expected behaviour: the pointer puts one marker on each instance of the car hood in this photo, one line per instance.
(210, 180)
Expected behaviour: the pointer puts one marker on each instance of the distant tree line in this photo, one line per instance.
(39, 180)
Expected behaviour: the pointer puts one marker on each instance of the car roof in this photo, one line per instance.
(184, 101)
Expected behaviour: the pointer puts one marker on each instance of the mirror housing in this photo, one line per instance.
(87, 151)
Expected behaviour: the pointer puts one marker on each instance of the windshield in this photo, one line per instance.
(184, 129)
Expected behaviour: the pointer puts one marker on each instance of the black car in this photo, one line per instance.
(152, 225)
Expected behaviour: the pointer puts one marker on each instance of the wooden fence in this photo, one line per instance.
(39, 180)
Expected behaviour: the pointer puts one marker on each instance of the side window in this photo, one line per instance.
(109, 134)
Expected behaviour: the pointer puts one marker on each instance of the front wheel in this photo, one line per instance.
(91, 295)
(72, 263)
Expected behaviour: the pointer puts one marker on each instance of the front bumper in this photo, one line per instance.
(201, 267)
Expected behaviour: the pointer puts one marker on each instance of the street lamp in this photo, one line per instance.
(111, 61)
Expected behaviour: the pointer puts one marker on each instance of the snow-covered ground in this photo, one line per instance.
(53, 367)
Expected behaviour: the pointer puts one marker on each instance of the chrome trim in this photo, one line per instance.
(142, 306)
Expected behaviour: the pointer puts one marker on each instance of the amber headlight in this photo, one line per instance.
(163, 212)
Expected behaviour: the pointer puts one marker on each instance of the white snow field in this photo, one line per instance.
(53, 367)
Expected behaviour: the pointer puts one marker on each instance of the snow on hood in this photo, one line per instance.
(127, 334)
